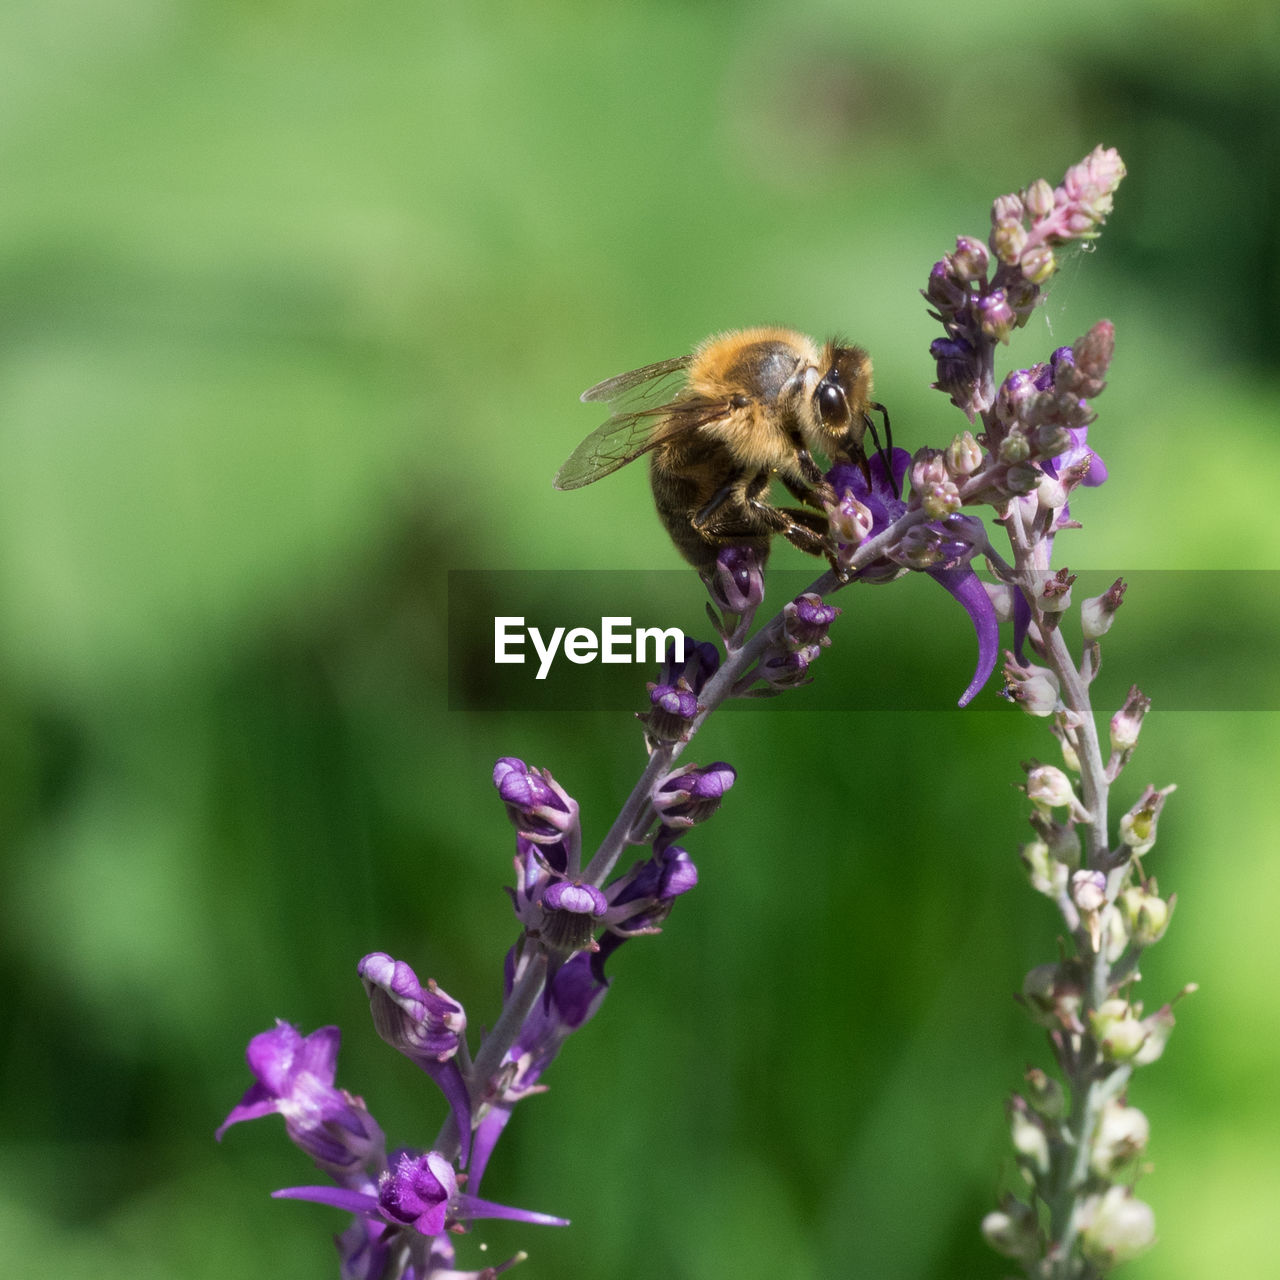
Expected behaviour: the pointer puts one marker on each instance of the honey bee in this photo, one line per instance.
(721, 423)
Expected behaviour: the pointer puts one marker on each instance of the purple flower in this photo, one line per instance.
(539, 809)
(785, 668)
(701, 661)
(692, 793)
(951, 543)
(424, 1024)
(294, 1077)
(419, 1194)
(642, 898)
(674, 709)
(737, 585)
(807, 620)
(571, 911)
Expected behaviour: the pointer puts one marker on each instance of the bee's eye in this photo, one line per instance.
(739, 401)
(832, 406)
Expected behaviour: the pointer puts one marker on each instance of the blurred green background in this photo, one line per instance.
(297, 299)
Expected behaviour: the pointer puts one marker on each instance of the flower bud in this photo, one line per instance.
(945, 289)
(964, 455)
(1138, 826)
(1006, 209)
(737, 582)
(787, 668)
(1053, 994)
(1115, 1227)
(418, 1021)
(1035, 689)
(1046, 874)
(571, 911)
(1009, 239)
(691, 794)
(699, 663)
(1055, 592)
(970, 259)
(1119, 1032)
(1038, 264)
(1111, 926)
(1030, 1141)
(806, 620)
(1023, 297)
(1014, 448)
(1127, 722)
(995, 316)
(1051, 440)
(957, 364)
(674, 707)
(850, 521)
(1146, 915)
(1013, 1230)
(1014, 393)
(1091, 355)
(1038, 199)
(1097, 613)
(1022, 479)
(539, 808)
(1121, 1136)
(927, 469)
(1046, 1094)
(1091, 184)
(940, 500)
(1089, 890)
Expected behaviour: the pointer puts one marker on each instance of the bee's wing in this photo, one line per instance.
(635, 428)
(613, 444)
(638, 386)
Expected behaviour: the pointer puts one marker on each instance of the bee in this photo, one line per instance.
(721, 424)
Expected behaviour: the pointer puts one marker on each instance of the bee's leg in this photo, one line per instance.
(810, 531)
(803, 528)
(820, 495)
(808, 468)
(731, 493)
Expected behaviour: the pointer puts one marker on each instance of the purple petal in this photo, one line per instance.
(449, 1081)
(473, 1207)
(262, 1105)
(339, 1197)
(967, 588)
(487, 1134)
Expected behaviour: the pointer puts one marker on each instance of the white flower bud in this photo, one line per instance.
(1118, 1030)
(1048, 787)
(964, 455)
(1089, 890)
(1146, 915)
(1030, 1142)
(1115, 1227)
(1127, 722)
(1121, 1137)
(1046, 873)
(1098, 612)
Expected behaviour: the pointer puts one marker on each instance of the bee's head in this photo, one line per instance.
(839, 399)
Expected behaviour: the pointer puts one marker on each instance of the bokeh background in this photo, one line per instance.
(296, 302)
